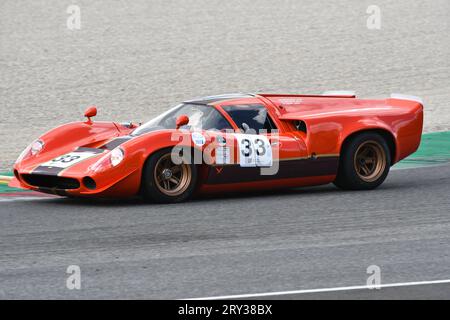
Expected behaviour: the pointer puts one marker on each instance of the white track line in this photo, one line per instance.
(281, 293)
(14, 199)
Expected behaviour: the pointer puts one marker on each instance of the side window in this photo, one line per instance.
(254, 116)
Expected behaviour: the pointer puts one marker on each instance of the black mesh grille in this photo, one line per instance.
(53, 182)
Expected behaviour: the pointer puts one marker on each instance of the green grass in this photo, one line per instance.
(4, 187)
(434, 149)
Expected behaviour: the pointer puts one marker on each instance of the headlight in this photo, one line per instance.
(32, 150)
(109, 160)
(36, 147)
(117, 156)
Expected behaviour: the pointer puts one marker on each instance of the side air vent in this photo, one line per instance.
(300, 125)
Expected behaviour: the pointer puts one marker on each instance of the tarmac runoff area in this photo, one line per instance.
(306, 243)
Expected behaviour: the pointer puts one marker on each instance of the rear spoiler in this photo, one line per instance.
(400, 96)
(340, 93)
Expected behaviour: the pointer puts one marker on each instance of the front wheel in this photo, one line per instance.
(164, 181)
(365, 162)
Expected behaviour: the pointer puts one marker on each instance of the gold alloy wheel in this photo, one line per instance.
(172, 179)
(370, 161)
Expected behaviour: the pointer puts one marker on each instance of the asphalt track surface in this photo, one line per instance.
(302, 239)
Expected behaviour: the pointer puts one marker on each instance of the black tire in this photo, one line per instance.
(356, 163)
(153, 189)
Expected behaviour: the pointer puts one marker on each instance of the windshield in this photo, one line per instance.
(201, 117)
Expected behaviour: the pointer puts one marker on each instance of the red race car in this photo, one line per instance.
(233, 142)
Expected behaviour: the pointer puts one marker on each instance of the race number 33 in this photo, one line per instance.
(69, 159)
(254, 150)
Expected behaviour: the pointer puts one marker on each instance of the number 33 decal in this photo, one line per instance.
(254, 151)
(70, 159)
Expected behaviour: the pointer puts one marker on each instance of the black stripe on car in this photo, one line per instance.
(297, 168)
(116, 142)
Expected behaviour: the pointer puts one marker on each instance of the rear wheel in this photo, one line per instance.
(164, 181)
(364, 163)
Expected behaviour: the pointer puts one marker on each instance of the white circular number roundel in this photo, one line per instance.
(198, 139)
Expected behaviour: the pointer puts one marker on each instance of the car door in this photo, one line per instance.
(263, 141)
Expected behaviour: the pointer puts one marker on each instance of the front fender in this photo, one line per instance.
(67, 137)
(140, 148)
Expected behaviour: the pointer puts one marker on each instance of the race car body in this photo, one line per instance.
(227, 143)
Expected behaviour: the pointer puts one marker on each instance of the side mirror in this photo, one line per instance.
(182, 120)
(90, 113)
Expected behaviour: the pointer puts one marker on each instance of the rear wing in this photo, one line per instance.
(400, 96)
(339, 93)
